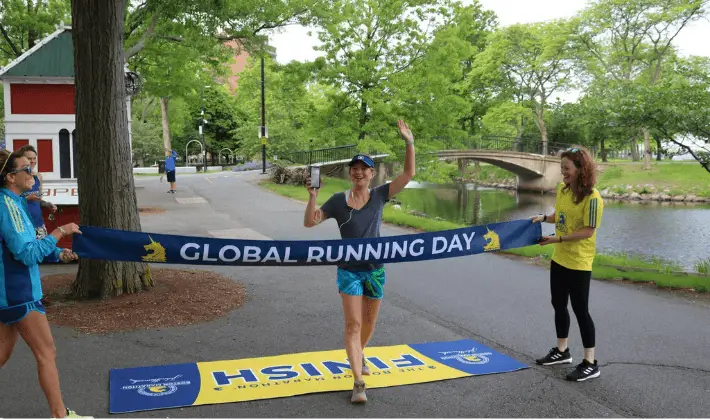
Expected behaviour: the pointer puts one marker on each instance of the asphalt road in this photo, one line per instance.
(652, 346)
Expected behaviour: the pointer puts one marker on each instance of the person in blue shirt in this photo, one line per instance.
(21, 310)
(34, 198)
(170, 156)
(35, 203)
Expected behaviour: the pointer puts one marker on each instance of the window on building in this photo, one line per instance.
(65, 158)
(45, 157)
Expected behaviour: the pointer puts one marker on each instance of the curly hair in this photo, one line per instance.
(586, 172)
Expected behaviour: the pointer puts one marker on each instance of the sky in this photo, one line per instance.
(293, 43)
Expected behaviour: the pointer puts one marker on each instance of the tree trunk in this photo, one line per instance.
(540, 121)
(166, 122)
(476, 206)
(31, 33)
(634, 150)
(104, 175)
(659, 149)
(646, 149)
(363, 119)
(603, 149)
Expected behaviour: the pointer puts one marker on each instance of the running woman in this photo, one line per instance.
(577, 216)
(21, 310)
(358, 212)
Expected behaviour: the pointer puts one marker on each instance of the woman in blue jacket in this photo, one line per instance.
(21, 310)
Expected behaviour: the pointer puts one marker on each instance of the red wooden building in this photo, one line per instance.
(39, 110)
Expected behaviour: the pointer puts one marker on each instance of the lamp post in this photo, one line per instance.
(202, 129)
(263, 119)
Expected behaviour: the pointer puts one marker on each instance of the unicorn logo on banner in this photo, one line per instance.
(155, 252)
(157, 387)
(467, 357)
(493, 241)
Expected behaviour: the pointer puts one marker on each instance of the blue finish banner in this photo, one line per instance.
(117, 245)
(145, 388)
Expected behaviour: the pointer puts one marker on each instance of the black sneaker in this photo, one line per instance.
(584, 371)
(555, 357)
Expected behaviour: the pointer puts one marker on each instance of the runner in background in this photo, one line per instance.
(358, 212)
(170, 157)
(577, 216)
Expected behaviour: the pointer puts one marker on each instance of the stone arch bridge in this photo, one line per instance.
(536, 164)
(534, 172)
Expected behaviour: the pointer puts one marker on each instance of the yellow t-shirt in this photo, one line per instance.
(570, 217)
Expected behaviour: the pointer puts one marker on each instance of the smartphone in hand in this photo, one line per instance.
(315, 176)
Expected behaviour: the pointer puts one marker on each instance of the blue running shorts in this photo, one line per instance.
(18, 313)
(370, 284)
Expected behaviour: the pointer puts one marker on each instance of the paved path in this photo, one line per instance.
(652, 346)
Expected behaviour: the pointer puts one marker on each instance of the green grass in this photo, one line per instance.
(703, 267)
(679, 178)
(622, 267)
(606, 266)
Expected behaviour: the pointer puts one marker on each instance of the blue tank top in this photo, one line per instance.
(33, 206)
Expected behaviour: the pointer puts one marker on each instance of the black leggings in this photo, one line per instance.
(574, 284)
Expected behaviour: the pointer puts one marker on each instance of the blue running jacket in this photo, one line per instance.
(22, 252)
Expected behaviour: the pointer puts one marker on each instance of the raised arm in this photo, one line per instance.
(312, 216)
(409, 162)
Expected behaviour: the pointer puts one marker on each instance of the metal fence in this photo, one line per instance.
(327, 154)
(503, 143)
(495, 143)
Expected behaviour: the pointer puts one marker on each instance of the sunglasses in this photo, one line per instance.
(572, 150)
(27, 169)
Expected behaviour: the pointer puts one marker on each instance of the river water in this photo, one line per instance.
(676, 232)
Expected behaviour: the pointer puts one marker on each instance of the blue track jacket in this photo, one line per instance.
(22, 252)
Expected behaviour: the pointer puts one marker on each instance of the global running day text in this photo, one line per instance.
(317, 254)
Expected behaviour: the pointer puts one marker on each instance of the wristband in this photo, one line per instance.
(61, 230)
(408, 142)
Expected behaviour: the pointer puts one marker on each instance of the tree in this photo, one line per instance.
(180, 69)
(675, 109)
(531, 62)
(628, 42)
(146, 145)
(104, 160)
(506, 119)
(366, 44)
(221, 115)
(25, 22)
(291, 117)
(178, 40)
(436, 94)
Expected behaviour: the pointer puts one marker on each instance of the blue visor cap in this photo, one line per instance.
(367, 160)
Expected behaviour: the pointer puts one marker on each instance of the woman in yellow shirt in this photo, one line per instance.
(577, 215)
